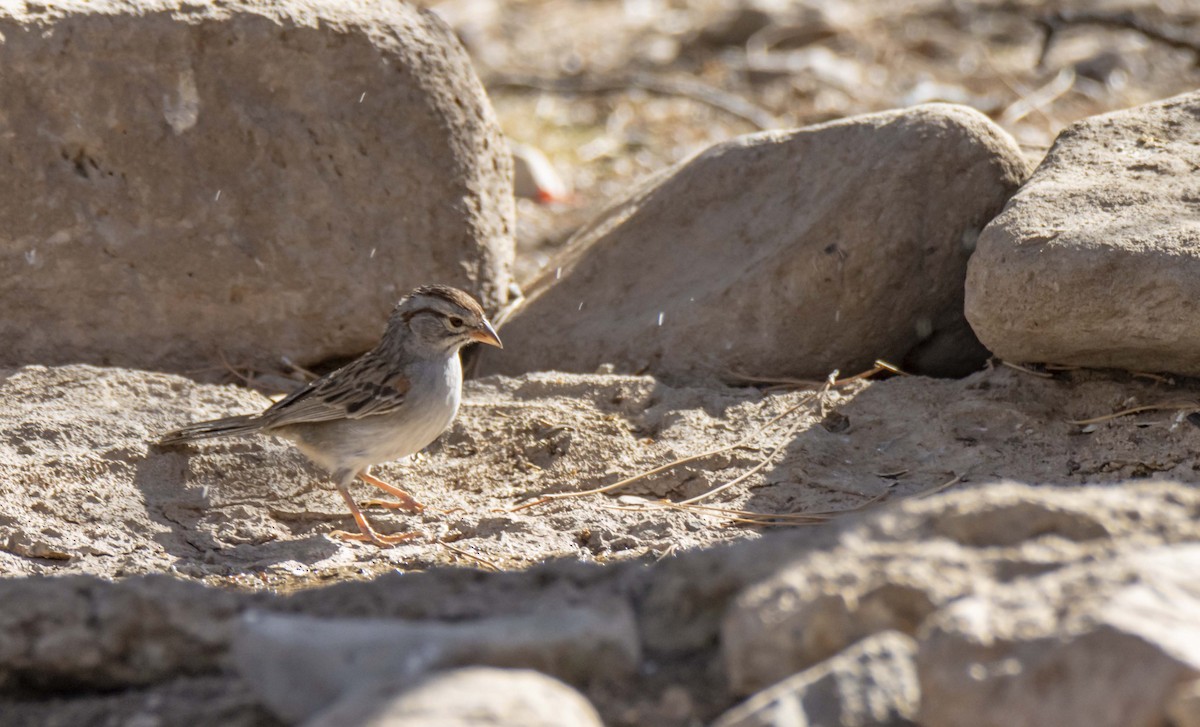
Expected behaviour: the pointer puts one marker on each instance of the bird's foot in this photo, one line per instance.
(406, 503)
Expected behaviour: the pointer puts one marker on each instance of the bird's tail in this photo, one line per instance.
(230, 426)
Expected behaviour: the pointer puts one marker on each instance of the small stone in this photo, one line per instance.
(871, 684)
(471, 697)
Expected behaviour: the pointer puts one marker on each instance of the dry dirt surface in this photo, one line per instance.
(88, 494)
(765, 542)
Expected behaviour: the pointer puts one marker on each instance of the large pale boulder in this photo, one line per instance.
(785, 253)
(901, 570)
(184, 179)
(1096, 645)
(1096, 261)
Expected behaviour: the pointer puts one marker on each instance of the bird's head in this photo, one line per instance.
(442, 318)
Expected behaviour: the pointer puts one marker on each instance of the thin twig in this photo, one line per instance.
(298, 368)
(787, 439)
(687, 88)
(1062, 82)
(750, 515)
(478, 559)
(879, 367)
(1157, 378)
(1026, 370)
(1136, 410)
(1128, 20)
(662, 468)
(769, 519)
(229, 368)
(939, 488)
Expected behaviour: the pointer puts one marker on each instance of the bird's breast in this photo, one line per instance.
(429, 407)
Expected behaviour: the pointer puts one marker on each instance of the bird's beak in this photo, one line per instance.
(487, 335)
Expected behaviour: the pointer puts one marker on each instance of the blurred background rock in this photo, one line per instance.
(614, 90)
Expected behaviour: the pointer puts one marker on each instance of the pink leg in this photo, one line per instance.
(406, 501)
(366, 532)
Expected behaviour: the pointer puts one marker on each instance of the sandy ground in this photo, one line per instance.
(90, 495)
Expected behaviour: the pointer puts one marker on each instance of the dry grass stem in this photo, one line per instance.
(786, 383)
(1040, 99)
(787, 438)
(690, 88)
(1027, 370)
(308, 375)
(1153, 377)
(662, 468)
(1176, 406)
(748, 517)
(940, 488)
(229, 368)
(744, 441)
(471, 556)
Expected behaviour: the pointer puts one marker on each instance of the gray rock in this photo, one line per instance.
(472, 697)
(896, 571)
(300, 665)
(871, 684)
(1183, 707)
(82, 632)
(810, 611)
(893, 569)
(1096, 261)
(206, 701)
(188, 179)
(785, 253)
(1096, 645)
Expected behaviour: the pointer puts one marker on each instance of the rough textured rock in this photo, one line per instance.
(871, 684)
(152, 636)
(1096, 261)
(1183, 708)
(474, 697)
(1097, 645)
(79, 632)
(254, 179)
(300, 665)
(209, 701)
(920, 557)
(806, 251)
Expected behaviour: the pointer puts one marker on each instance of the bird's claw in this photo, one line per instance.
(410, 505)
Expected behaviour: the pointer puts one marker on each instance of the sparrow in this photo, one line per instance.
(391, 402)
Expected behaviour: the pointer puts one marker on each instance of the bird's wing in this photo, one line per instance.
(365, 387)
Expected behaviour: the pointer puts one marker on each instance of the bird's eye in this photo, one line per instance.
(454, 322)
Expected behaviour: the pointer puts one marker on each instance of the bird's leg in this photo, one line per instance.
(366, 533)
(406, 501)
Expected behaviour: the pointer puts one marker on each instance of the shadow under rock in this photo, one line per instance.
(202, 531)
(906, 436)
(895, 439)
